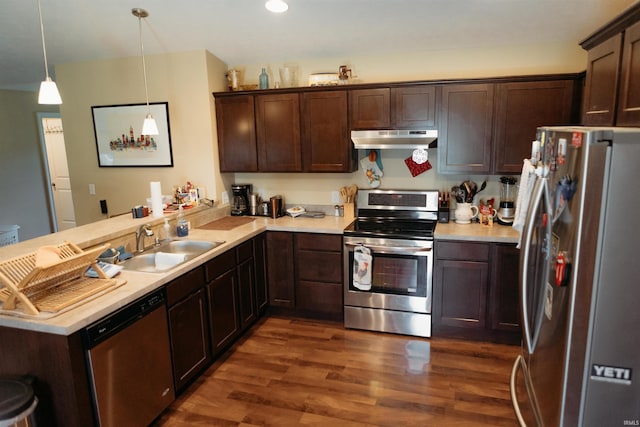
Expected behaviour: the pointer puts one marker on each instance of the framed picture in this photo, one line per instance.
(119, 139)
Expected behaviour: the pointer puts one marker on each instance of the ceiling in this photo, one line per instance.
(243, 32)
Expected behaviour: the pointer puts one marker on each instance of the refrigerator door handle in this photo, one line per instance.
(512, 388)
(527, 233)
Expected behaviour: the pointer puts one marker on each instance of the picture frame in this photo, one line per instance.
(119, 139)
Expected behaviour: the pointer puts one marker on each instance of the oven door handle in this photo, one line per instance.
(402, 250)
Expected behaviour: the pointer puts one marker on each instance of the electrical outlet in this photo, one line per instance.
(225, 198)
(335, 197)
(92, 189)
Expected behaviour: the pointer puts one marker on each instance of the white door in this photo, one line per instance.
(58, 172)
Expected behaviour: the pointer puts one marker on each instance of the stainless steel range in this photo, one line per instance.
(388, 262)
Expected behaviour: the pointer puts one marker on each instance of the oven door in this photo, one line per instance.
(401, 274)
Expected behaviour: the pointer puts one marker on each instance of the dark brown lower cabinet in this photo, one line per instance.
(188, 326)
(475, 293)
(318, 272)
(260, 263)
(245, 271)
(222, 290)
(280, 269)
(189, 330)
(305, 274)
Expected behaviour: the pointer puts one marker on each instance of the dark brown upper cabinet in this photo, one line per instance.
(326, 143)
(629, 100)
(612, 89)
(414, 107)
(237, 147)
(278, 132)
(370, 108)
(403, 107)
(522, 107)
(601, 86)
(464, 135)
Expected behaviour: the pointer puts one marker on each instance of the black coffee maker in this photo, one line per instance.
(240, 199)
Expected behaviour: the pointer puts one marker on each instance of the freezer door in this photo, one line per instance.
(612, 373)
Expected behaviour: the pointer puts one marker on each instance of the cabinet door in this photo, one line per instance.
(414, 106)
(464, 140)
(237, 147)
(370, 108)
(246, 293)
(223, 310)
(629, 99)
(280, 269)
(600, 96)
(189, 337)
(260, 263)
(521, 108)
(504, 307)
(278, 132)
(460, 294)
(326, 144)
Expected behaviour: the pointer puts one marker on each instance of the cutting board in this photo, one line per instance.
(227, 223)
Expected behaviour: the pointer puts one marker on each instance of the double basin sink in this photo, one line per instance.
(168, 255)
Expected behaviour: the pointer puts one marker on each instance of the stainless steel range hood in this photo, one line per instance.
(409, 139)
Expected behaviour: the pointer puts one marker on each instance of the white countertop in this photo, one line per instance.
(139, 284)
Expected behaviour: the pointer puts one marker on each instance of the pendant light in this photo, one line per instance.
(48, 90)
(149, 126)
(276, 6)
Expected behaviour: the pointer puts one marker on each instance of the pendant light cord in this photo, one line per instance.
(44, 49)
(144, 68)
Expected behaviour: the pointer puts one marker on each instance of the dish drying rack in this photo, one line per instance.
(55, 285)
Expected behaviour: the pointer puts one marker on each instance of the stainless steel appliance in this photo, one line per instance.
(392, 138)
(507, 205)
(579, 288)
(396, 228)
(240, 199)
(130, 363)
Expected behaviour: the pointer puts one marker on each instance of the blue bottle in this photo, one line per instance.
(264, 79)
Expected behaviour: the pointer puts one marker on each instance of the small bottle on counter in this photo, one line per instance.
(167, 229)
(264, 79)
(182, 229)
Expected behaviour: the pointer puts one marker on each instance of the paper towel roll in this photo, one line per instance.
(156, 199)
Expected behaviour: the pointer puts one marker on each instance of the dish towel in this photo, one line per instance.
(362, 268)
(527, 179)
(165, 261)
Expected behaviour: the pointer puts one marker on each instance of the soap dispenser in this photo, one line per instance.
(182, 229)
(167, 229)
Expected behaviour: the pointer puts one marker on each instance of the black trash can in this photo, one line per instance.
(17, 402)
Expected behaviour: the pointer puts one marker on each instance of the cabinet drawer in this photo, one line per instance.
(220, 265)
(319, 242)
(244, 251)
(184, 285)
(319, 266)
(319, 297)
(462, 250)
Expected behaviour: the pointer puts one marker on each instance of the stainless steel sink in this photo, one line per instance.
(168, 255)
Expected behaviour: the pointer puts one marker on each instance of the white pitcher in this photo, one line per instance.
(465, 212)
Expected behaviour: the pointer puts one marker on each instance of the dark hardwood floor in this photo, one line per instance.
(290, 372)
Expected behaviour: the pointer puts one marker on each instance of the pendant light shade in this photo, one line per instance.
(276, 6)
(48, 90)
(149, 126)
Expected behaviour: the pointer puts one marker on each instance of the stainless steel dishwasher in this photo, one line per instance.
(130, 363)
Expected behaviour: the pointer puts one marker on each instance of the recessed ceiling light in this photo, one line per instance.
(276, 6)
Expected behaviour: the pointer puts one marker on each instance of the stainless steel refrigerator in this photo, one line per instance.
(580, 281)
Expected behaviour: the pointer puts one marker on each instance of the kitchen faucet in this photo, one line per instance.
(142, 232)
